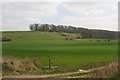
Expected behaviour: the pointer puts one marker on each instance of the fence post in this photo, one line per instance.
(49, 63)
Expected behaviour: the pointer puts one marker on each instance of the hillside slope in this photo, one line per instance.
(17, 36)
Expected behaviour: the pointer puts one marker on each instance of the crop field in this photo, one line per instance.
(42, 46)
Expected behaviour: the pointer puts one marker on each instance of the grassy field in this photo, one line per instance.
(44, 45)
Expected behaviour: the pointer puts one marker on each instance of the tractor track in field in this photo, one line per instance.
(44, 76)
(62, 74)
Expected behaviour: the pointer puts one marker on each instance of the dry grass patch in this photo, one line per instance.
(15, 64)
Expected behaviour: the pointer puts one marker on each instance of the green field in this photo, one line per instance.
(44, 45)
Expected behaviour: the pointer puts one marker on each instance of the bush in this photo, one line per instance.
(4, 39)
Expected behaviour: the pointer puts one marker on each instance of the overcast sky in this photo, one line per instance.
(93, 15)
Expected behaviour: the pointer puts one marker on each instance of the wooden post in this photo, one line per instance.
(49, 63)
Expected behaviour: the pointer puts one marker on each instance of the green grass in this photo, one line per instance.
(44, 45)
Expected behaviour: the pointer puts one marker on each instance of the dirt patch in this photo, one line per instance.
(52, 67)
(14, 64)
(70, 36)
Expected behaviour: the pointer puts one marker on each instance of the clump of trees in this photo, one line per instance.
(85, 33)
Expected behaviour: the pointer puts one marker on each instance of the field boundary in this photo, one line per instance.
(111, 65)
